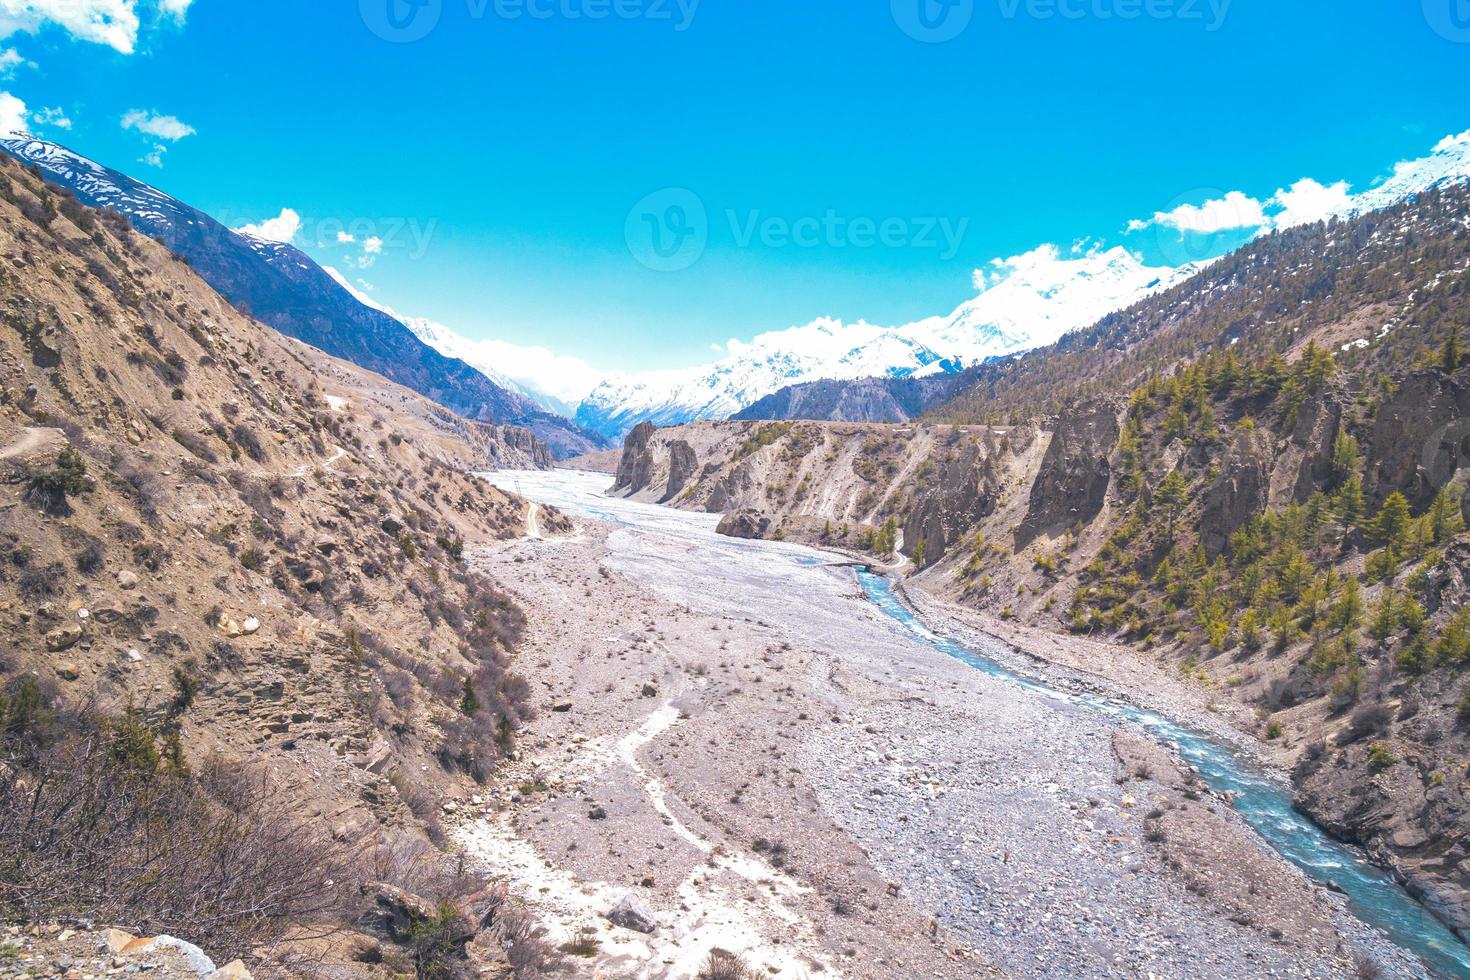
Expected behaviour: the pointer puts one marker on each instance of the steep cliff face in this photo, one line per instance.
(1240, 492)
(1420, 437)
(830, 482)
(635, 469)
(1072, 483)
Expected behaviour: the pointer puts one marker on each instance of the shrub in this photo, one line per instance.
(99, 818)
(1370, 719)
(252, 559)
(721, 964)
(91, 556)
(42, 581)
(1380, 755)
(49, 489)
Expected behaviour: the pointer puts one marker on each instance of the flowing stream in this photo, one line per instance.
(1261, 797)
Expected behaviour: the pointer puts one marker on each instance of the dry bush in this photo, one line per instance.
(99, 818)
(721, 964)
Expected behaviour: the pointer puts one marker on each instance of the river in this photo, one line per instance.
(1262, 797)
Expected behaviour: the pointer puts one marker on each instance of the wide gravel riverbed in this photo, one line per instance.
(1010, 821)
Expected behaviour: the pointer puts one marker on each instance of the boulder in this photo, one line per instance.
(68, 671)
(630, 914)
(127, 579)
(394, 911)
(63, 638)
(744, 524)
(392, 524)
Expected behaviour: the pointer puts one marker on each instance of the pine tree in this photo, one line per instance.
(1347, 612)
(1451, 354)
(1391, 523)
(1171, 497)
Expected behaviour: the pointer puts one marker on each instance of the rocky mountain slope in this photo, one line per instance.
(863, 400)
(281, 286)
(1258, 477)
(236, 563)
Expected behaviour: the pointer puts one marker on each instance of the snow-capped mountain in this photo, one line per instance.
(1026, 301)
(1448, 162)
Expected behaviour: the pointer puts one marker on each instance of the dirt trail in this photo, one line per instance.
(33, 439)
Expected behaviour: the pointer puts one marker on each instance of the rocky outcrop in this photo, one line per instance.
(1072, 484)
(733, 486)
(1303, 462)
(744, 524)
(635, 471)
(1421, 435)
(966, 492)
(683, 463)
(1239, 492)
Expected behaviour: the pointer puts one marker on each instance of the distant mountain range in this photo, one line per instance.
(824, 369)
(284, 288)
(1025, 302)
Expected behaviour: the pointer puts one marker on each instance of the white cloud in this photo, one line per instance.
(1234, 210)
(13, 116)
(373, 246)
(10, 60)
(1308, 201)
(53, 116)
(154, 157)
(345, 238)
(155, 124)
(175, 8)
(282, 228)
(110, 22)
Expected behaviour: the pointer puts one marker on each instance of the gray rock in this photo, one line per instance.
(62, 638)
(630, 914)
(744, 524)
(635, 469)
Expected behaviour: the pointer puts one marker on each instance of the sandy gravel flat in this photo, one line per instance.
(733, 736)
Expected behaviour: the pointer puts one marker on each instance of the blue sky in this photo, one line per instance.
(500, 157)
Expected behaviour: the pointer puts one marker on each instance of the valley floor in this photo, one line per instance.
(730, 734)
